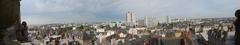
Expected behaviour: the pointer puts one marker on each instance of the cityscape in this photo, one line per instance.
(206, 31)
(96, 22)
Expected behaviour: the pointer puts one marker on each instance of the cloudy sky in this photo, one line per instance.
(82, 11)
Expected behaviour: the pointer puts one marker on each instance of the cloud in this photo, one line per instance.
(183, 8)
(66, 11)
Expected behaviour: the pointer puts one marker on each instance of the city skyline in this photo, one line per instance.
(80, 11)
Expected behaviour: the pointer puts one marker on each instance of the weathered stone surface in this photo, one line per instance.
(237, 25)
(9, 18)
(237, 13)
(9, 12)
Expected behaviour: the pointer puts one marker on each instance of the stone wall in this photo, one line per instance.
(9, 18)
(9, 12)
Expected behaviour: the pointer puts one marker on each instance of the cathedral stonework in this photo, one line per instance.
(9, 19)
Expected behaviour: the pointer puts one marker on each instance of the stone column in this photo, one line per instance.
(237, 25)
(9, 18)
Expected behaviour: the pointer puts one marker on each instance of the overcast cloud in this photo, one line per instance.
(80, 11)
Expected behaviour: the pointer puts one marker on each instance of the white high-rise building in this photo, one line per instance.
(130, 18)
(150, 21)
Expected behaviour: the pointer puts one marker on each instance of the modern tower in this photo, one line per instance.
(131, 17)
(167, 19)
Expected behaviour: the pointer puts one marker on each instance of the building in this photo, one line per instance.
(130, 18)
(168, 19)
(100, 30)
(10, 19)
(150, 22)
(141, 23)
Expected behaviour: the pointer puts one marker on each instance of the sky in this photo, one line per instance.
(84, 11)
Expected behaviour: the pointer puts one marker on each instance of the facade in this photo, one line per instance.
(10, 21)
(133, 31)
(130, 18)
(141, 23)
(100, 30)
(150, 22)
